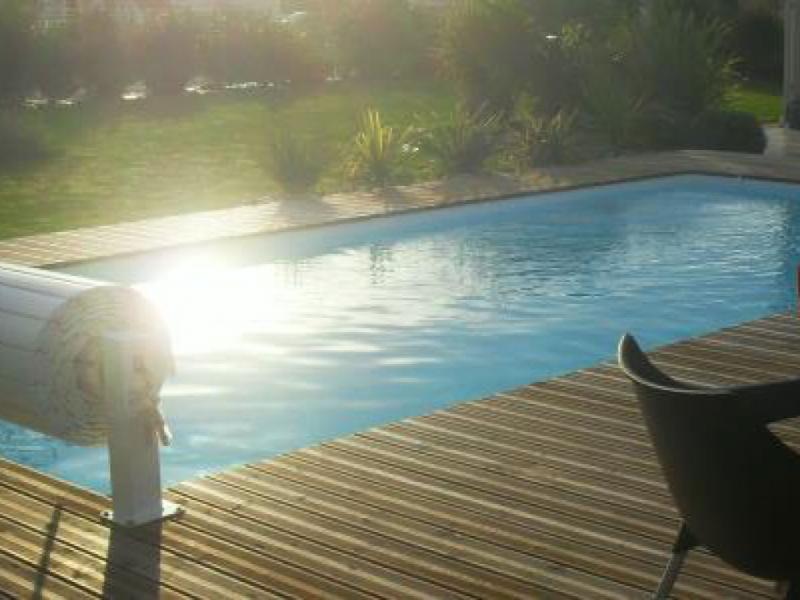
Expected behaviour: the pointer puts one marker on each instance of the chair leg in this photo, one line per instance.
(685, 542)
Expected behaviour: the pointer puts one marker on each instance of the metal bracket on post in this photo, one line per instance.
(133, 445)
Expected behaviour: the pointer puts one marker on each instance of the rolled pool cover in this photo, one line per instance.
(51, 353)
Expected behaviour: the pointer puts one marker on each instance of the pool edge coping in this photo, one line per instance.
(71, 247)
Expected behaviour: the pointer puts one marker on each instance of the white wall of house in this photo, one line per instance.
(58, 11)
(270, 7)
(432, 3)
(52, 12)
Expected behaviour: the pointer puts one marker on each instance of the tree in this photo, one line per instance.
(17, 20)
(703, 9)
(104, 53)
(242, 47)
(383, 39)
(681, 61)
(598, 16)
(54, 61)
(489, 48)
(168, 53)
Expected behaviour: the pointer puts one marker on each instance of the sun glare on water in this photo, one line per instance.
(209, 308)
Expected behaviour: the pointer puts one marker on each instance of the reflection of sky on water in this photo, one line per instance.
(290, 340)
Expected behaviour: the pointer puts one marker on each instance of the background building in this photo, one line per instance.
(53, 12)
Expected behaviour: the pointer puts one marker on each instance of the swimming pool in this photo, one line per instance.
(287, 340)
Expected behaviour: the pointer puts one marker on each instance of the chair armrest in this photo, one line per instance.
(769, 402)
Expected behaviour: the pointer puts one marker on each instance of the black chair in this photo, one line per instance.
(735, 484)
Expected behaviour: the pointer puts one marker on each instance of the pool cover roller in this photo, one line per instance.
(51, 364)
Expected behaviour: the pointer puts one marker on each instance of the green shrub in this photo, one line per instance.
(383, 39)
(681, 62)
(167, 56)
(725, 10)
(499, 50)
(293, 163)
(294, 58)
(562, 61)
(733, 131)
(543, 141)
(19, 144)
(104, 53)
(610, 108)
(662, 129)
(489, 49)
(602, 17)
(379, 153)
(242, 47)
(231, 48)
(462, 142)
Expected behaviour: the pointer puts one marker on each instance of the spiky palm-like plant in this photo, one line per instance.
(378, 151)
(543, 141)
(681, 61)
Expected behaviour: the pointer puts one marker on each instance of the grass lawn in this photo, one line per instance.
(763, 100)
(136, 160)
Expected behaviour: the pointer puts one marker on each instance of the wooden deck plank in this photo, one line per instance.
(638, 458)
(548, 478)
(541, 535)
(707, 355)
(540, 576)
(504, 510)
(130, 561)
(329, 558)
(549, 490)
(562, 457)
(542, 469)
(571, 486)
(214, 567)
(354, 540)
(21, 579)
(84, 571)
(411, 525)
(501, 485)
(557, 554)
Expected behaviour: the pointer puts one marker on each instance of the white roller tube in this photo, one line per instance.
(51, 353)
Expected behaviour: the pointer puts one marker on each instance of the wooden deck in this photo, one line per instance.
(273, 215)
(550, 490)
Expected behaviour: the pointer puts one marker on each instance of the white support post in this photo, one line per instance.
(133, 445)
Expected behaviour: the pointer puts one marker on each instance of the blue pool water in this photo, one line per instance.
(289, 340)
